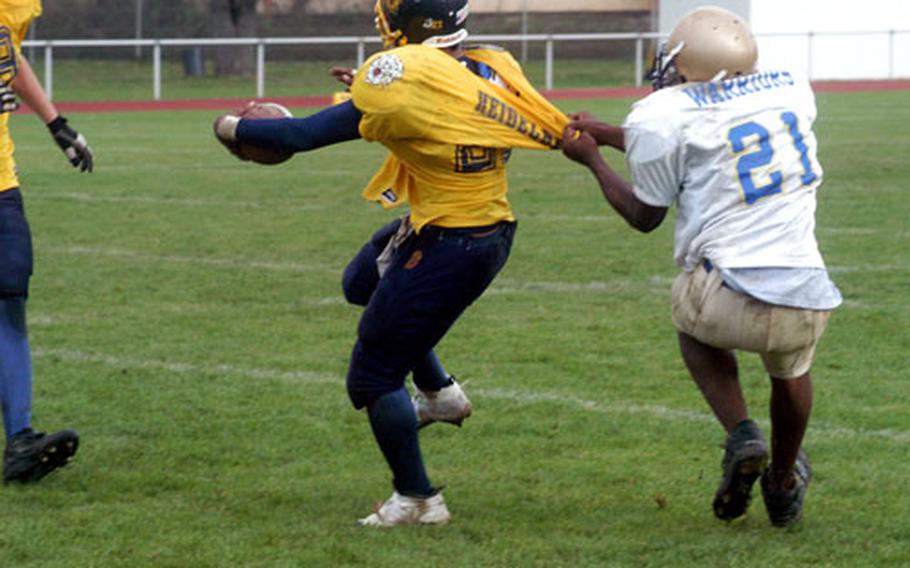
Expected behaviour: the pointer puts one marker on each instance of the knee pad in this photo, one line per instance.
(14, 283)
(371, 375)
(15, 270)
(12, 315)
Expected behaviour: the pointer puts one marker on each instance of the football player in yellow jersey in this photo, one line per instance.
(29, 455)
(450, 116)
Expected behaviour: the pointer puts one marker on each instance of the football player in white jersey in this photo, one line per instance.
(733, 148)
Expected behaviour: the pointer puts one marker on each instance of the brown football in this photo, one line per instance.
(267, 111)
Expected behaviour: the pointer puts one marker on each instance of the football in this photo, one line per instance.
(264, 111)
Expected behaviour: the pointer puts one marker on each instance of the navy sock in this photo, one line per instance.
(430, 375)
(15, 367)
(394, 425)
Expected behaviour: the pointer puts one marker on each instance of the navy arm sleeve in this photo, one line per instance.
(339, 123)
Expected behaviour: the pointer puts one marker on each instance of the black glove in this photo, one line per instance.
(8, 102)
(73, 144)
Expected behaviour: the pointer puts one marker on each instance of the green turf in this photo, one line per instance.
(186, 317)
(87, 80)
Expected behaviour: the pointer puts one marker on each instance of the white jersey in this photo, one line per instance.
(739, 158)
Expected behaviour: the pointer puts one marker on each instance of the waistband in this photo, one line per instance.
(11, 194)
(460, 231)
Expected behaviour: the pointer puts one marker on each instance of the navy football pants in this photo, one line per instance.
(15, 356)
(361, 276)
(15, 246)
(433, 278)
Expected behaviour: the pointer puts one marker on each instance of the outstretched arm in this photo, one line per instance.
(339, 123)
(72, 143)
(583, 148)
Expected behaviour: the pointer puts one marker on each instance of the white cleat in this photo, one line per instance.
(401, 510)
(447, 405)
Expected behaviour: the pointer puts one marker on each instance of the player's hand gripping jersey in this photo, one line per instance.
(739, 155)
(450, 131)
(15, 18)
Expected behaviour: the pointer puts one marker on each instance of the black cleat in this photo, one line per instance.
(745, 456)
(785, 506)
(31, 455)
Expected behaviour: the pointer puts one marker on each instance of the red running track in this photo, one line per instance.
(309, 102)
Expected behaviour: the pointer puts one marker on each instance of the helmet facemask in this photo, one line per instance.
(664, 72)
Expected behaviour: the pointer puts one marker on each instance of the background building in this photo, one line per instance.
(851, 41)
(824, 39)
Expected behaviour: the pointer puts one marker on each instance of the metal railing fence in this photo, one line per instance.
(360, 44)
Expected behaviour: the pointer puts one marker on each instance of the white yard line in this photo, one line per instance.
(857, 231)
(176, 201)
(229, 263)
(117, 362)
(659, 284)
(357, 179)
(847, 269)
(516, 396)
(655, 284)
(233, 204)
(606, 217)
(44, 320)
(674, 415)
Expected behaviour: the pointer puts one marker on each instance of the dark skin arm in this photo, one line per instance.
(604, 134)
(582, 147)
(344, 75)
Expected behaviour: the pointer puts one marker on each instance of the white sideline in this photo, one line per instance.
(508, 395)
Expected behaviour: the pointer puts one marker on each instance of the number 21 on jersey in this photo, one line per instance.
(744, 136)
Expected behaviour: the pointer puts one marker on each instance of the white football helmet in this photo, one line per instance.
(708, 44)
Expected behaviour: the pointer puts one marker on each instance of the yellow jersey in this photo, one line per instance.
(450, 132)
(15, 18)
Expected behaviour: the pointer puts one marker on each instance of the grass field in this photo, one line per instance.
(87, 80)
(186, 318)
